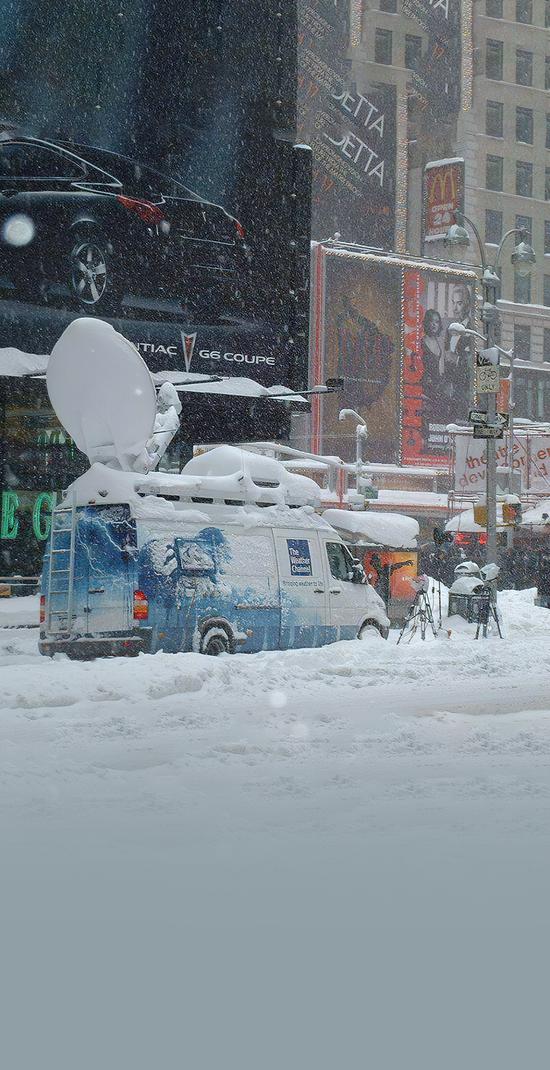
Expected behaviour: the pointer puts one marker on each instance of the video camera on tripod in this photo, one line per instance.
(473, 595)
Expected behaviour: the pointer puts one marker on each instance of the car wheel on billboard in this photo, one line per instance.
(93, 282)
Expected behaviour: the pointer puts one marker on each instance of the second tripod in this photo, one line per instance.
(419, 616)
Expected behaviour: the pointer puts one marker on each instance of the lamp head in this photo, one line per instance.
(458, 328)
(523, 258)
(344, 413)
(457, 235)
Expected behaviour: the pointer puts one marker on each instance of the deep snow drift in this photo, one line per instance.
(333, 857)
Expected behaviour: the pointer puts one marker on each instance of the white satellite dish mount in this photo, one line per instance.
(103, 394)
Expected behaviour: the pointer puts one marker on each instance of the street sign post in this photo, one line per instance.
(487, 379)
(488, 432)
(480, 418)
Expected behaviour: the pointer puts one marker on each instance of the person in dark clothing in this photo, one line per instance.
(384, 575)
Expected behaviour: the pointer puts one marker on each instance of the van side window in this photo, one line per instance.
(339, 561)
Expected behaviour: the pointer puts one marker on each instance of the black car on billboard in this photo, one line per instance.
(93, 227)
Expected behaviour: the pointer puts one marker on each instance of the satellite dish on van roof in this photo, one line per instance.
(102, 392)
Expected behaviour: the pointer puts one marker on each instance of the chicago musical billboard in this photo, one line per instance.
(437, 367)
(149, 176)
(382, 324)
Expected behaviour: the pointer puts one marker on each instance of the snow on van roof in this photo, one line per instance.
(384, 529)
(230, 461)
(223, 474)
(102, 485)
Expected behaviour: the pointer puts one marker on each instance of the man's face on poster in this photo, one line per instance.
(460, 302)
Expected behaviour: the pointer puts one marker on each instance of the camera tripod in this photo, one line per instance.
(419, 616)
(485, 611)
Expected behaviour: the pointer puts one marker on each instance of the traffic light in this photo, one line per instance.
(511, 513)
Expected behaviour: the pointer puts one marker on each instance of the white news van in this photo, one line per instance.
(210, 563)
(228, 555)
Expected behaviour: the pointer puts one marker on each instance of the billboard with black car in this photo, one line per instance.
(149, 175)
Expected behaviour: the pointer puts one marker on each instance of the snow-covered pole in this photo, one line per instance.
(523, 258)
(361, 435)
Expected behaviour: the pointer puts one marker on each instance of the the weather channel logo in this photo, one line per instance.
(300, 557)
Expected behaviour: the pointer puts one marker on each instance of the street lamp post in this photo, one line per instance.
(361, 434)
(523, 259)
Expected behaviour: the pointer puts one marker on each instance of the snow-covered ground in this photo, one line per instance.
(308, 859)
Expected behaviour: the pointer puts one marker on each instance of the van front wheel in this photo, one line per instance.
(371, 627)
(216, 640)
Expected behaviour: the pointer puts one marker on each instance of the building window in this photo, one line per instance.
(547, 237)
(546, 291)
(524, 178)
(524, 222)
(383, 46)
(494, 118)
(524, 125)
(546, 344)
(524, 67)
(522, 341)
(493, 9)
(493, 59)
(413, 51)
(524, 10)
(388, 5)
(547, 72)
(547, 13)
(493, 226)
(547, 183)
(494, 172)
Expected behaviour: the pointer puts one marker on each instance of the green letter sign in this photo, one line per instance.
(10, 524)
(42, 520)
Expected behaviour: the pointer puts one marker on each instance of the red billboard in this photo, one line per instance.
(443, 196)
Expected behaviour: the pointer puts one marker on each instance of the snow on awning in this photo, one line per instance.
(233, 386)
(383, 529)
(14, 362)
(464, 522)
(538, 517)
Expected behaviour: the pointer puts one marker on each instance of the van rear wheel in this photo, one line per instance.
(215, 640)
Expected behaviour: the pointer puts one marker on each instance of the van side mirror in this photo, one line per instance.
(357, 574)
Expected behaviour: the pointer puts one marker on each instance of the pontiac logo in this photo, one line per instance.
(188, 341)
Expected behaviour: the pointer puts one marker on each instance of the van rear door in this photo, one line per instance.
(105, 555)
(303, 589)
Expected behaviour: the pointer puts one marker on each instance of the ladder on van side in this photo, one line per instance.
(59, 616)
